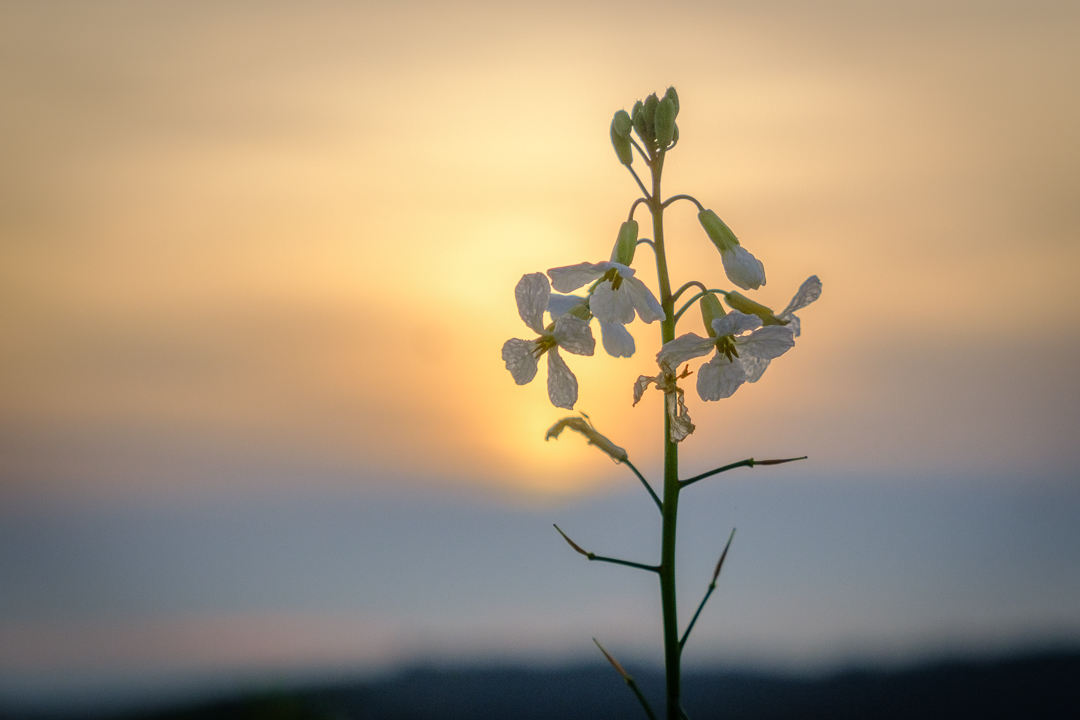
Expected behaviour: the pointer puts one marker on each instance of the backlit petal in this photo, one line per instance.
(742, 268)
(520, 359)
(719, 378)
(683, 348)
(574, 335)
(768, 342)
(647, 306)
(570, 277)
(618, 342)
(532, 293)
(610, 305)
(562, 385)
(735, 322)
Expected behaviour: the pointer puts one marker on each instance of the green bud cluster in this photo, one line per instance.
(654, 122)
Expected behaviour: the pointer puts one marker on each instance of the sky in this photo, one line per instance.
(257, 262)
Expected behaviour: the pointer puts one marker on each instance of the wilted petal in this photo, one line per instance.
(617, 339)
(562, 385)
(807, 293)
(742, 268)
(768, 342)
(532, 293)
(754, 367)
(720, 378)
(683, 348)
(574, 335)
(520, 359)
(681, 427)
(642, 384)
(610, 305)
(582, 425)
(794, 323)
(560, 304)
(570, 277)
(641, 297)
(735, 322)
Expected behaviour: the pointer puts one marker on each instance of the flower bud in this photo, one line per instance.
(743, 304)
(675, 134)
(718, 231)
(711, 309)
(584, 427)
(649, 115)
(621, 142)
(665, 122)
(637, 117)
(625, 244)
(622, 124)
(674, 97)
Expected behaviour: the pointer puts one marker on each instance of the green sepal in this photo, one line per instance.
(626, 243)
(743, 304)
(717, 230)
(711, 309)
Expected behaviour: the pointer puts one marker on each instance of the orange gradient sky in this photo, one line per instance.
(248, 246)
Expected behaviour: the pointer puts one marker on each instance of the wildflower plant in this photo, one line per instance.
(741, 340)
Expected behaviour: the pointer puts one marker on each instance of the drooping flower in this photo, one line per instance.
(568, 332)
(617, 340)
(583, 425)
(742, 268)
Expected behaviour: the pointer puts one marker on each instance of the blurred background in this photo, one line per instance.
(257, 263)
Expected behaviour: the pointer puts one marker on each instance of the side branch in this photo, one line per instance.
(629, 680)
(601, 558)
(673, 198)
(709, 592)
(652, 493)
(743, 463)
(639, 183)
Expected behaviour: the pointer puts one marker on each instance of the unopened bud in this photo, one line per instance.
(626, 244)
(674, 97)
(584, 427)
(743, 304)
(620, 137)
(665, 122)
(637, 117)
(649, 115)
(718, 231)
(711, 309)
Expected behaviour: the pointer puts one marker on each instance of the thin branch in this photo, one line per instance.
(675, 295)
(743, 463)
(697, 297)
(633, 207)
(709, 592)
(639, 183)
(673, 198)
(641, 152)
(601, 558)
(629, 680)
(645, 482)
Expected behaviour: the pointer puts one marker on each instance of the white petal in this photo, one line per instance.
(532, 293)
(754, 367)
(612, 305)
(570, 277)
(683, 348)
(794, 323)
(641, 297)
(617, 339)
(642, 384)
(562, 385)
(681, 427)
(520, 360)
(720, 378)
(807, 293)
(560, 304)
(768, 342)
(574, 335)
(742, 268)
(735, 322)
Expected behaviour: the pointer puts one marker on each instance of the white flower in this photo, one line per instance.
(807, 293)
(738, 359)
(742, 268)
(568, 332)
(616, 297)
(618, 342)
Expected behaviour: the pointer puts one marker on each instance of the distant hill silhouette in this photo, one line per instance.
(1045, 686)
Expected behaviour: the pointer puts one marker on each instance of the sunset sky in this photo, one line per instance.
(257, 262)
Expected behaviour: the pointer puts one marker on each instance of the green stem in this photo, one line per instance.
(645, 482)
(672, 650)
(742, 463)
